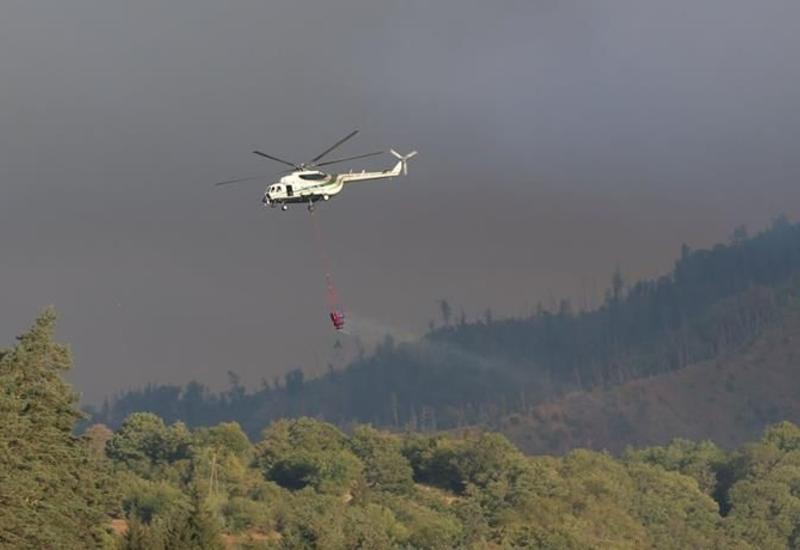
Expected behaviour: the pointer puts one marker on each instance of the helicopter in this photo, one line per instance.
(306, 184)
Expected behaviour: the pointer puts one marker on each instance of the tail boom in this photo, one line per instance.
(400, 168)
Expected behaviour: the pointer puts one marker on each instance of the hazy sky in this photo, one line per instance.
(557, 138)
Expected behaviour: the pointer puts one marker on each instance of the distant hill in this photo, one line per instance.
(712, 305)
(729, 400)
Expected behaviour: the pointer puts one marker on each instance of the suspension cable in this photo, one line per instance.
(331, 295)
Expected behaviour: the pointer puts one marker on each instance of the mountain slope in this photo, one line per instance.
(728, 400)
(711, 305)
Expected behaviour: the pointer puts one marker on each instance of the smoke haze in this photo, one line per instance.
(557, 140)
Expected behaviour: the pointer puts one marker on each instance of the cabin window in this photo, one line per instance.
(313, 177)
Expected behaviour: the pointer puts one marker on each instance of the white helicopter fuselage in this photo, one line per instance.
(310, 186)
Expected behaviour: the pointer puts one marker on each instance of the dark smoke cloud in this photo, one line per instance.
(557, 139)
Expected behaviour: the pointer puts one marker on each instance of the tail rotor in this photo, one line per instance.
(403, 159)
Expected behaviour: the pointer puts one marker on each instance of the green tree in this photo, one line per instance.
(372, 526)
(148, 500)
(312, 521)
(599, 493)
(699, 460)
(97, 436)
(144, 441)
(673, 510)
(427, 527)
(487, 458)
(385, 467)
(302, 452)
(227, 436)
(195, 529)
(784, 435)
(50, 493)
(431, 459)
(139, 536)
(763, 501)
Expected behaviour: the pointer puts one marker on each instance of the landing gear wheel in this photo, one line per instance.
(326, 197)
(311, 207)
(284, 207)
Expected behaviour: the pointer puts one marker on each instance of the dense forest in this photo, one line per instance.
(714, 302)
(303, 483)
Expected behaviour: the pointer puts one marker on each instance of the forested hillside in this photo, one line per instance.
(729, 399)
(712, 305)
(304, 484)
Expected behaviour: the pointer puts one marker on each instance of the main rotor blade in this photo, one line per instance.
(350, 158)
(293, 165)
(334, 146)
(239, 180)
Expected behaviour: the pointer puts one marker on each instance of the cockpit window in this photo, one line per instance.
(313, 177)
